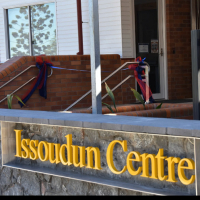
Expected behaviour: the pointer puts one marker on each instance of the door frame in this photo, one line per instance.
(162, 44)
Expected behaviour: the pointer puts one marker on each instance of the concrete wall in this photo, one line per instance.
(19, 182)
(176, 137)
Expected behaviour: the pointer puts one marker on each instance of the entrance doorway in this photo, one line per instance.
(150, 42)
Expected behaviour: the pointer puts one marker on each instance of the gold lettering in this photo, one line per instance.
(68, 146)
(55, 153)
(62, 154)
(97, 155)
(171, 169)
(145, 166)
(34, 153)
(109, 156)
(181, 174)
(130, 167)
(40, 151)
(54, 159)
(26, 152)
(160, 161)
(18, 143)
(75, 156)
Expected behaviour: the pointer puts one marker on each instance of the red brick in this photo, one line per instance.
(75, 62)
(56, 108)
(1, 76)
(66, 58)
(70, 83)
(51, 103)
(60, 94)
(56, 99)
(66, 98)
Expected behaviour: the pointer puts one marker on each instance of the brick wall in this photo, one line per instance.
(179, 49)
(63, 87)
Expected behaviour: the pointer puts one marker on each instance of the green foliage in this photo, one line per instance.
(109, 107)
(138, 97)
(159, 107)
(10, 98)
(136, 94)
(111, 95)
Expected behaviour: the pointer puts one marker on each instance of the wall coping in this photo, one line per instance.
(160, 126)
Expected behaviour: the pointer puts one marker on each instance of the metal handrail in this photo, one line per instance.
(24, 83)
(124, 65)
(116, 87)
(17, 76)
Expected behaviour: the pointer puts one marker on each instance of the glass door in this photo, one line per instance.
(149, 42)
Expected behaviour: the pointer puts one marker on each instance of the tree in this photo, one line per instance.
(42, 26)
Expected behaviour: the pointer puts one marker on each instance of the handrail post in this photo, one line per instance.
(147, 84)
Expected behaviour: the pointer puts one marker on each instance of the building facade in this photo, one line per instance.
(158, 30)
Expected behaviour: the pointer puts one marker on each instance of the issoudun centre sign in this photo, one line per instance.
(55, 153)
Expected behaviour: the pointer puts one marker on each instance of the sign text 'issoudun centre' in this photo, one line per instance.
(55, 153)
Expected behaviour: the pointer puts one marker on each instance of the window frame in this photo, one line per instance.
(6, 26)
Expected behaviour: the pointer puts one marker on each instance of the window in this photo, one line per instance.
(32, 30)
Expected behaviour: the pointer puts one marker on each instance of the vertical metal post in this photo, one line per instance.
(95, 57)
(197, 165)
(147, 83)
(30, 32)
(7, 38)
(195, 34)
